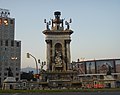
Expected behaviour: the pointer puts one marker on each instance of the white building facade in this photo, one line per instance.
(10, 49)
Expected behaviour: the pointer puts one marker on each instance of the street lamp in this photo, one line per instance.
(28, 56)
(42, 64)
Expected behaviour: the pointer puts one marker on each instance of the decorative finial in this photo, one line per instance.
(57, 14)
(4, 12)
(47, 24)
(68, 23)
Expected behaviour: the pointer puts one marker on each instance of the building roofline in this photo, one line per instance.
(93, 60)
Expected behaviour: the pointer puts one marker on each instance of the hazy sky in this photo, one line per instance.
(96, 26)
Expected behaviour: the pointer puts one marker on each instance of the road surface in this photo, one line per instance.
(65, 93)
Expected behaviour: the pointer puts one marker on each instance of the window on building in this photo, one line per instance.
(11, 22)
(6, 21)
(6, 43)
(18, 44)
(101, 77)
(0, 21)
(12, 43)
(17, 69)
(5, 48)
(1, 43)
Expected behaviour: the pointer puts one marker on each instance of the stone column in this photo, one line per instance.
(48, 53)
(68, 52)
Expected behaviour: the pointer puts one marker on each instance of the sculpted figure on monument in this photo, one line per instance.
(58, 59)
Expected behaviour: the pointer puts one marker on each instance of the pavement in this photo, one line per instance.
(65, 93)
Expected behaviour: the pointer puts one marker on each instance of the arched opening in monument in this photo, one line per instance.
(58, 47)
(58, 57)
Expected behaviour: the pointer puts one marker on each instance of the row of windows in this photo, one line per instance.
(5, 74)
(7, 68)
(5, 21)
(12, 43)
(12, 64)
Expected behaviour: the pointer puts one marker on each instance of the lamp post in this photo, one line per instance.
(42, 64)
(28, 56)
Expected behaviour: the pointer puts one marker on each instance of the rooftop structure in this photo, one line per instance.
(10, 49)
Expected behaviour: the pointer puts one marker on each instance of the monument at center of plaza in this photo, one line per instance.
(58, 44)
(58, 37)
